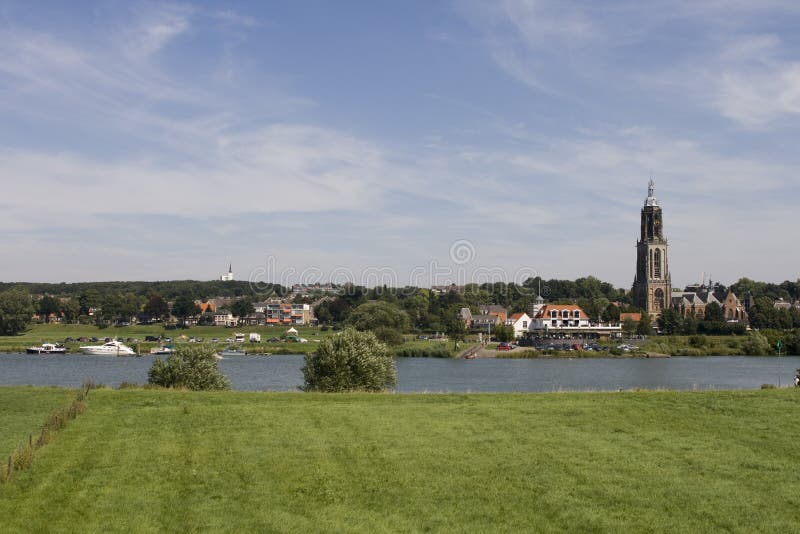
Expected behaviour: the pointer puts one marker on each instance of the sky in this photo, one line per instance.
(396, 142)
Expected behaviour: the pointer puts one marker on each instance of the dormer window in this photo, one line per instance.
(565, 314)
(554, 314)
(576, 314)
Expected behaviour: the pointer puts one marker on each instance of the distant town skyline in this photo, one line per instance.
(159, 141)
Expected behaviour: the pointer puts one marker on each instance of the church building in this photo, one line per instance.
(652, 286)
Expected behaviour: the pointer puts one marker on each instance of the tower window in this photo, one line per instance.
(658, 263)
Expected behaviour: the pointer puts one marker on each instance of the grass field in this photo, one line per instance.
(23, 410)
(638, 461)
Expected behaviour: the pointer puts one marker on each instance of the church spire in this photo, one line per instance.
(651, 193)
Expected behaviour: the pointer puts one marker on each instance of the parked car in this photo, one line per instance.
(150, 338)
(274, 340)
(504, 346)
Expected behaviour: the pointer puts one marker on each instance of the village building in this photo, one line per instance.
(692, 302)
(521, 323)
(485, 322)
(560, 316)
(466, 315)
(224, 318)
(496, 310)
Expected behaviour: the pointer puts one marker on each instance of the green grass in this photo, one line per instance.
(680, 346)
(39, 333)
(635, 461)
(23, 410)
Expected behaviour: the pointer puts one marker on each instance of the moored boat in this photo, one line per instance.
(112, 348)
(162, 351)
(47, 348)
(232, 352)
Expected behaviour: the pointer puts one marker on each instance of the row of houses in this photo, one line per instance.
(545, 319)
(270, 313)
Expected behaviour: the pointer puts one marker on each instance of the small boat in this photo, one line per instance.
(47, 348)
(161, 351)
(112, 348)
(232, 352)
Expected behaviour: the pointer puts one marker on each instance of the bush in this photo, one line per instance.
(350, 361)
(435, 351)
(698, 341)
(756, 345)
(389, 336)
(189, 366)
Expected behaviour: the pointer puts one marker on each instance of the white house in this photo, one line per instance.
(521, 322)
(560, 317)
(224, 318)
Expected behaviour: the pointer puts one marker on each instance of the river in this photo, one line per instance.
(282, 372)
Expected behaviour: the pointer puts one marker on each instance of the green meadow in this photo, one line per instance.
(23, 410)
(150, 460)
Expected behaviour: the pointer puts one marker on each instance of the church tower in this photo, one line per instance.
(652, 287)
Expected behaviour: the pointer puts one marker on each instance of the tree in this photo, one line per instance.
(89, 299)
(373, 315)
(629, 326)
(184, 307)
(456, 330)
(503, 332)
(645, 326)
(16, 312)
(72, 310)
(241, 308)
(350, 361)
(190, 366)
(714, 313)
(670, 322)
(610, 314)
(156, 307)
(46, 306)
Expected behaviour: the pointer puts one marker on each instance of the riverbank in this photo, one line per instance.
(134, 336)
(635, 461)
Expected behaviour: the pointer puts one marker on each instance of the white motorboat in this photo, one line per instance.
(46, 348)
(162, 351)
(112, 348)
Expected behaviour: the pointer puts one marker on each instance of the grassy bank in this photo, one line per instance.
(23, 410)
(639, 461)
(696, 345)
(40, 333)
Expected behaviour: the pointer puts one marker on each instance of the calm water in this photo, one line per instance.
(282, 373)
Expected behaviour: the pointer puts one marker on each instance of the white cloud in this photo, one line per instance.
(153, 27)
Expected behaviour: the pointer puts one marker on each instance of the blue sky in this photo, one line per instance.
(166, 140)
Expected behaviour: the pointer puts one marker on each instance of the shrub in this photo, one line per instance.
(390, 336)
(697, 341)
(350, 361)
(435, 351)
(192, 366)
(756, 345)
